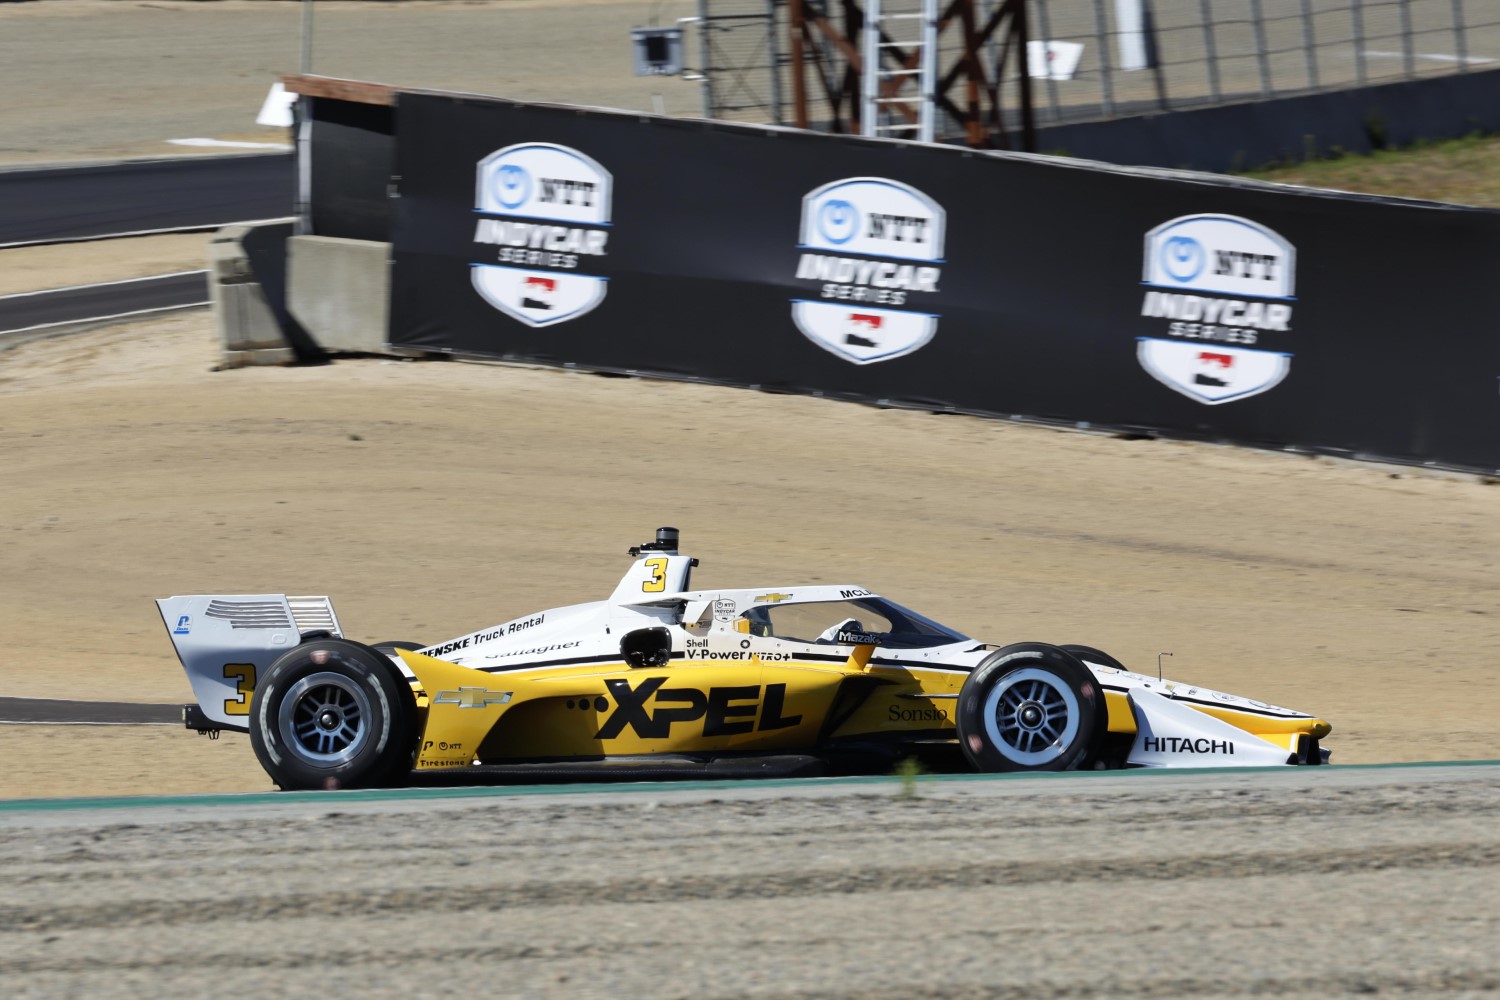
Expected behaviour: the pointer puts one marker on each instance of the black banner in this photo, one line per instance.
(948, 279)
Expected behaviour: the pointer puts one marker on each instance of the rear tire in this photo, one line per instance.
(395, 644)
(1031, 706)
(333, 714)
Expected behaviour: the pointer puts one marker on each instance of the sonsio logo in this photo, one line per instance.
(543, 208)
(1221, 284)
(869, 242)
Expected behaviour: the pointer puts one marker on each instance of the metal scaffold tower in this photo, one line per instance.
(933, 70)
(911, 27)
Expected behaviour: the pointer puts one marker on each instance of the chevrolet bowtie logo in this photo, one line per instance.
(772, 598)
(472, 697)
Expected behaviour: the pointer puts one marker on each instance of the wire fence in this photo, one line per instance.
(1110, 58)
(1135, 56)
(743, 45)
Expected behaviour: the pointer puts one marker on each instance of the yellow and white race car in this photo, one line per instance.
(662, 680)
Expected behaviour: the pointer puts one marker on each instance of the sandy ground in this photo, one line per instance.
(35, 269)
(1312, 883)
(431, 498)
(98, 79)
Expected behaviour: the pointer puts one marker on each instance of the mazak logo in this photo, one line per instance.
(868, 243)
(1224, 287)
(543, 209)
(725, 711)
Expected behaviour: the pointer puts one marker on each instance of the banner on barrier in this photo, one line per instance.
(946, 278)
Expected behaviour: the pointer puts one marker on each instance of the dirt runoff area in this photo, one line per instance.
(431, 498)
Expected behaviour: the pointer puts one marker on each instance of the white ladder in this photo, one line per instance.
(913, 30)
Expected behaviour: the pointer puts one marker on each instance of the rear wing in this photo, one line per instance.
(225, 642)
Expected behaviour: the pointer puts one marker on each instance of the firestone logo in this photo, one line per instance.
(872, 246)
(543, 209)
(1224, 286)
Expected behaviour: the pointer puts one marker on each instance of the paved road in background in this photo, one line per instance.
(1312, 882)
(119, 199)
(29, 312)
(41, 711)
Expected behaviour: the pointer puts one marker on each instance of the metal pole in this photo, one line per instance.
(775, 59)
(307, 25)
(1211, 50)
(795, 25)
(1021, 34)
(705, 55)
(870, 75)
(1460, 41)
(1259, 14)
(1106, 72)
(1408, 57)
(303, 110)
(1310, 44)
(1153, 55)
(1046, 24)
(927, 117)
(1359, 41)
(1130, 34)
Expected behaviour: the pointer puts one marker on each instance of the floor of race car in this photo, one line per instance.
(935, 758)
(664, 767)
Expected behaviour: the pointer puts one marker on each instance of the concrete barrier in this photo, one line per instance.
(248, 326)
(340, 291)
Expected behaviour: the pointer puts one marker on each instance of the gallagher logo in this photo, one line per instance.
(869, 242)
(1225, 287)
(543, 208)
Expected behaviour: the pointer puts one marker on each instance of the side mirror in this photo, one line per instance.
(647, 647)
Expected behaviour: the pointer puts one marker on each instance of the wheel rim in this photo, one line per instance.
(324, 720)
(1031, 717)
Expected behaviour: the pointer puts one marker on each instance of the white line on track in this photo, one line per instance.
(1442, 57)
(105, 319)
(54, 241)
(102, 284)
(230, 143)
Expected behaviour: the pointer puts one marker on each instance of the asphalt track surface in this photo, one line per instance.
(59, 205)
(57, 711)
(40, 312)
(1306, 882)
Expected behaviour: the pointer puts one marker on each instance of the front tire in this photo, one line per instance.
(1031, 706)
(333, 714)
(1093, 655)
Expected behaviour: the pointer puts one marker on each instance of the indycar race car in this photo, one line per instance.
(663, 680)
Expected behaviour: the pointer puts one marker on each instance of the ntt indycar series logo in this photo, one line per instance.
(1222, 288)
(870, 251)
(544, 214)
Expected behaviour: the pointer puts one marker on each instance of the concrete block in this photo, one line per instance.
(248, 329)
(340, 291)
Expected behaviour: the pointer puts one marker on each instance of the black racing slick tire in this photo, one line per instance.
(1092, 655)
(395, 644)
(1031, 706)
(333, 714)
